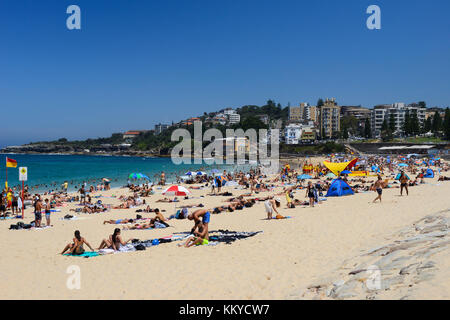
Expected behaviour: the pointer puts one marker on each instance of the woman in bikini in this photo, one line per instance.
(114, 241)
(310, 193)
(76, 247)
(403, 183)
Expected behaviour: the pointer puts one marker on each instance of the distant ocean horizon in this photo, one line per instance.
(47, 172)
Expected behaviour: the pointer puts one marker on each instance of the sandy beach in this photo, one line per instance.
(282, 262)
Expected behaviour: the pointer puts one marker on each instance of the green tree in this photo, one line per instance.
(384, 126)
(446, 124)
(422, 104)
(437, 122)
(427, 125)
(320, 102)
(345, 133)
(407, 124)
(367, 129)
(392, 122)
(415, 126)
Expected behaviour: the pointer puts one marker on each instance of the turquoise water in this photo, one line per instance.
(48, 172)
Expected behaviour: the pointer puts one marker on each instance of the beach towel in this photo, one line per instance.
(87, 254)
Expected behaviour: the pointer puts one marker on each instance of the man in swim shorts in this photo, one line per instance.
(200, 229)
(379, 188)
(37, 213)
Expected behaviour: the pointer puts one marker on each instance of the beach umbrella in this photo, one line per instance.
(304, 177)
(189, 173)
(402, 165)
(346, 172)
(138, 176)
(221, 178)
(176, 191)
(215, 171)
(201, 173)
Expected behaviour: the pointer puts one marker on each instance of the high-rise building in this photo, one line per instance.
(398, 112)
(329, 119)
(295, 114)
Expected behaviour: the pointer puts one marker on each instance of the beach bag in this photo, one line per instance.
(140, 247)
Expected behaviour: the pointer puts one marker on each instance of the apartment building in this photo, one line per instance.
(161, 127)
(396, 110)
(329, 119)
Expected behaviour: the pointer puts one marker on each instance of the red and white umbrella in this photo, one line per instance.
(176, 191)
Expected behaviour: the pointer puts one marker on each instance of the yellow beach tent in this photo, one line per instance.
(338, 167)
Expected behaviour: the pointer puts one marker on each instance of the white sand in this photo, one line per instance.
(289, 254)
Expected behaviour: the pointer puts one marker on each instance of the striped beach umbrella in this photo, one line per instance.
(176, 191)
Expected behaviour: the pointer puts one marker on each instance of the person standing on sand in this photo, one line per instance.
(403, 183)
(271, 205)
(163, 178)
(47, 209)
(310, 193)
(378, 186)
(82, 195)
(37, 213)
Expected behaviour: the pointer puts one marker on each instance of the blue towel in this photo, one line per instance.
(87, 254)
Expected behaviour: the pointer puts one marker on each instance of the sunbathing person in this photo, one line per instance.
(200, 229)
(76, 247)
(148, 209)
(119, 221)
(158, 216)
(167, 200)
(148, 225)
(200, 237)
(114, 241)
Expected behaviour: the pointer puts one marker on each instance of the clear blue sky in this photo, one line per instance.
(135, 63)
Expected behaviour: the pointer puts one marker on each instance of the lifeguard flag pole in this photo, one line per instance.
(10, 163)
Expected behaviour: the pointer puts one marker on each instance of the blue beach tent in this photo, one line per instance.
(339, 188)
(398, 176)
(429, 174)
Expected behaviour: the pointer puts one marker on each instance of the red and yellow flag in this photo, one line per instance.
(11, 163)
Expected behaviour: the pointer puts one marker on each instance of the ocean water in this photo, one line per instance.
(48, 172)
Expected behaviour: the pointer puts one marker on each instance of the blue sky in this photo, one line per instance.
(136, 63)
